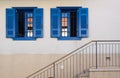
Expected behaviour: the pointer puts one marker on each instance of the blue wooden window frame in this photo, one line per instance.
(82, 22)
(12, 23)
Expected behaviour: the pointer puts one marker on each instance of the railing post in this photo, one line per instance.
(54, 70)
(96, 48)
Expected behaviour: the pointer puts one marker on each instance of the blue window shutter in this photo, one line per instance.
(38, 22)
(83, 22)
(10, 23)
(55, 22)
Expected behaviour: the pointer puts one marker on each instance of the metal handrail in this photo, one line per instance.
(60, 59)
(96, 42)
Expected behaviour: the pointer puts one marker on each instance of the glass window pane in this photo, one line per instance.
(65, 29)
(63, 19)
(63, 23)
(30, 19)
(29, 25)
(30, 33)
(29, 14)
(65, 34)
(65, 14)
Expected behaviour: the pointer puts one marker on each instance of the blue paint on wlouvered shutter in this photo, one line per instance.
(83, 22)
(38, 22)
(55, 22)
(10, 23)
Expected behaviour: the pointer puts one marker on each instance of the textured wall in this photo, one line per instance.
(20, 66)
(103, 24)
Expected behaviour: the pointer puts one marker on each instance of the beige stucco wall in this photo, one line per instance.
(19, 59)
(20, 66)
(103, 24)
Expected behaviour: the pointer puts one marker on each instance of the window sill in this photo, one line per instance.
(25, 38)
(69, 38)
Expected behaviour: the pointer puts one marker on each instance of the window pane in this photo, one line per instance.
(65, 24)
(30, 19)
(30, 15)
(30, 25)
(63, 19)
(65, 15)
(63, 29)
(66, 34)
(30, 33)
(63, 34)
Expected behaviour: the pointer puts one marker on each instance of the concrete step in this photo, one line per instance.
(105, 72)
(84, 75)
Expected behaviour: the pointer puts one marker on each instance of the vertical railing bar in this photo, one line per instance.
(103, 58)
(76, 68)
(106, 54)
(96, 55)
(40, 75)
(83, 58)
(109, 53)
(47, 74)
(54, 70)
(88, 52)
(57, 70)
(80, 61)
(100, 55)
(86, 58)
(119, 55)
(89, 55)
(44, 74)
(66, 65)
(92, 55)
(51, 72)
(60, 70)
(63, 68)
(112, 54)
(70, 67)
(73, 65)
(115, 53)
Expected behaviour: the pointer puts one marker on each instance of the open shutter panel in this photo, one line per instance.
(38, 22)
(83, 22)
(10, 23)
(55, 22)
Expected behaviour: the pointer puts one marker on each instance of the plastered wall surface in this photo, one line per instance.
(18, 59)
(103, 25)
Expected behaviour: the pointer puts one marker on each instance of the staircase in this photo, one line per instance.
(95, 54)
